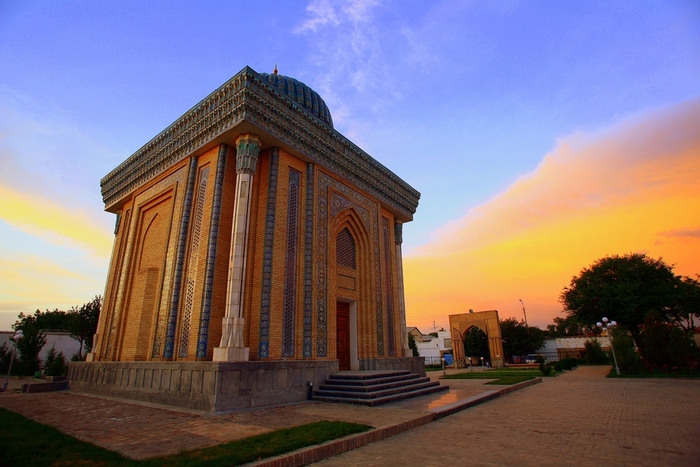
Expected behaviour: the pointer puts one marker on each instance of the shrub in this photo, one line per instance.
(55, 364)
(545, 369)
(628, 359)
(568, 363)
(558, 367)
(594, 352)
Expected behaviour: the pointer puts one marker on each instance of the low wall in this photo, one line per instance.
(210, 386)
(413, 364)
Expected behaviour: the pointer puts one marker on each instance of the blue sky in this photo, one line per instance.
(462, 99)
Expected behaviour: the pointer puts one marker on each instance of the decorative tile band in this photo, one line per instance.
(248, 96)
(290, 265)
(193, 264)
(202, 342)
(177, 280)
(308, 261)
(388, 288)
(264, 347)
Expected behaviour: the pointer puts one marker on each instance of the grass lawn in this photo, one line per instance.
(502, 376)
(27, 443)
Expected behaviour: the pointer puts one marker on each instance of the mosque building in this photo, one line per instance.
(250, 236)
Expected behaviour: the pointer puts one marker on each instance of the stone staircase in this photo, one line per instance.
(375, 387)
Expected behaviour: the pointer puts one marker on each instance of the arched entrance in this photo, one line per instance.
(486, 321)
(476, 346)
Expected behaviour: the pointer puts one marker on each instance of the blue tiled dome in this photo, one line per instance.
(302, 95)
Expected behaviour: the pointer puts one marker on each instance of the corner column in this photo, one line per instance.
(232, 348)
(398, 237)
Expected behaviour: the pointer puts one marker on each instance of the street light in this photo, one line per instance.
(482, 361)
(18, 335)
(608, 325)
(524, 314)
(471, 370)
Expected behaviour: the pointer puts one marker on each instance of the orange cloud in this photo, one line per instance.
(632, 188)
(41, 217)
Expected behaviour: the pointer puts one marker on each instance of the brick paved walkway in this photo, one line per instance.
(577, 419)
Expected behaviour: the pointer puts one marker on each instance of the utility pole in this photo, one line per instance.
(524, 314)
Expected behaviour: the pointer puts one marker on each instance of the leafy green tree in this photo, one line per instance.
(595, 355)
(626, 289)
(520, 339)
(55, 364)
(30, 344)
(83, 323)
(476, 343)
(568, 326)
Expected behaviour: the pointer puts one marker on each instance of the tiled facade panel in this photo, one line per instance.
(151, 244)
(219, 244)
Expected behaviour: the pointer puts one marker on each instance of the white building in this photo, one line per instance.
(433, 348)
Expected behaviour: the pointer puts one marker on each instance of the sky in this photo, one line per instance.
(542, 135)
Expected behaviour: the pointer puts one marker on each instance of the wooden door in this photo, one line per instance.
(342, 313)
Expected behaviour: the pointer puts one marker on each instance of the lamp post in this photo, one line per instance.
(608, 325)
(471, 370)
(524, 314)
(444, 373)
(18, 335)
(482, 361)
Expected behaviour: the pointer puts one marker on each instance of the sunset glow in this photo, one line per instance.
(633, 188)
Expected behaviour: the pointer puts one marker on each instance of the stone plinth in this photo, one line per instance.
(210, 386)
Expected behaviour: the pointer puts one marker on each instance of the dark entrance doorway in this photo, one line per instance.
(342, 314)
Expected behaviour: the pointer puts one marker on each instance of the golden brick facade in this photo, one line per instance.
(171, 278)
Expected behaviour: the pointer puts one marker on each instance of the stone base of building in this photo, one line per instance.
(217, 386)
(209, 386)
(414, 364)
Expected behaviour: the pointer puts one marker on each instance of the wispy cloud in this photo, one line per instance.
(595, 194)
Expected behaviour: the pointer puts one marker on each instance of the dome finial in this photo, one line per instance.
(275, 70)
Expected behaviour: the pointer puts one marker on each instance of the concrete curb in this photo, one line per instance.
(333, 448)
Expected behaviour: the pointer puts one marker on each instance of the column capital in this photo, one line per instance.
(398, 232)
(247, 149)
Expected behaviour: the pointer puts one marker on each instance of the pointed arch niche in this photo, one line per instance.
(351, 289)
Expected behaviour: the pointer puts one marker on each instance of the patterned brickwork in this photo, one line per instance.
(264, 346)
(195, 237)
(169, 336)
(202, 341)
(308, 262)
(290, 264)
(388, 288)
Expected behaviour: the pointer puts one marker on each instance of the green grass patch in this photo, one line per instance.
(28, 443)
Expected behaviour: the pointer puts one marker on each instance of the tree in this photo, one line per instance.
(30, 344)
(476, 343)
(565, 327)
(520, 339)
(626, 289)
(83, 323)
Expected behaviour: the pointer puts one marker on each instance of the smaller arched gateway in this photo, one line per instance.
(488, 322)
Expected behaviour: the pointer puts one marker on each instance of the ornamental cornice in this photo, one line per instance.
(248, 97)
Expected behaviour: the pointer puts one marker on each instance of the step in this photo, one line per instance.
(334, 386)
(375, 394)
(383, 400)
(382, 383)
